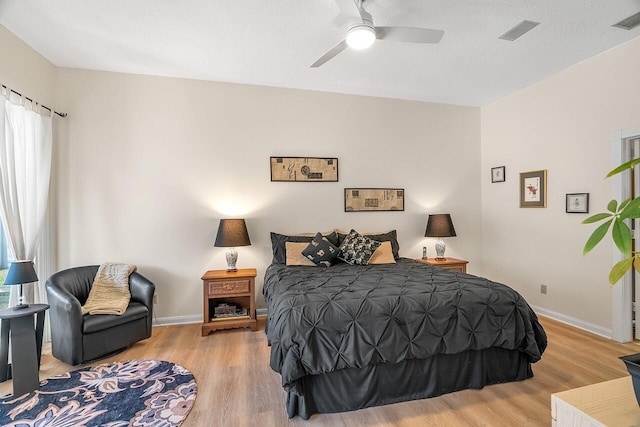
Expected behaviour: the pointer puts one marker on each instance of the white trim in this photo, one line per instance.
(622, 318)
(572, 321)
(177, 320)
(192, 318)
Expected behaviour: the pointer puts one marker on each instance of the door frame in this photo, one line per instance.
(622, 321)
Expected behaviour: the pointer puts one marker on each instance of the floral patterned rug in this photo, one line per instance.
(133, 393)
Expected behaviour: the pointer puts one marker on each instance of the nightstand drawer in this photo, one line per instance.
(229, 287)
(458, 268)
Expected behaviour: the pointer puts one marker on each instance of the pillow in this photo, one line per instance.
(383, 255)
(391, 236)
(294, 254)
(321, 251)
(278, 244)
(357, 249)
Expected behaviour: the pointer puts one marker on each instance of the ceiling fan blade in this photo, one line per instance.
(409, 34)
(330, 54)
(349, 8)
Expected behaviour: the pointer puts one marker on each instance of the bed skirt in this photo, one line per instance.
(385, 383)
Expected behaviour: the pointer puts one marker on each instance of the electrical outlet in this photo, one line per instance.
(155, 298)
(543, 289)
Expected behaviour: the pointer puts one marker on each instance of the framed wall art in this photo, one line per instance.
(497, 174)
(304, 169)
(373, 199)
(533, 189)
(577, 202)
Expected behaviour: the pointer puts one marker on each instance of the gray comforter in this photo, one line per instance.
(326, 319)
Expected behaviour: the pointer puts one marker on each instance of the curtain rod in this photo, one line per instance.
(31, 100)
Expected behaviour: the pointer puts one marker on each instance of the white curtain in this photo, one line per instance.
(25, 170)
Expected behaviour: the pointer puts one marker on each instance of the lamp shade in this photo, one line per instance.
(440, 225)
(232, 233)
(21, 272)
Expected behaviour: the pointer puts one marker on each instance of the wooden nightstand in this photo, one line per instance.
(222, 287)
(454, 264)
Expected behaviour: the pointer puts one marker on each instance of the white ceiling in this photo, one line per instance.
(273, 42)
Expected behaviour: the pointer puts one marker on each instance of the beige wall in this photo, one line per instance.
(25, 70)
(151, 164)
(148, 165)
(563, 124)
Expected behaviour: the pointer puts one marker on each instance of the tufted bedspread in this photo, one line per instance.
(326, 319)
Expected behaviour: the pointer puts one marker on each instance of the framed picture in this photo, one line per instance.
(373, 199)
(304, 169)
(497, 174)
(578, 203)
(533, 189)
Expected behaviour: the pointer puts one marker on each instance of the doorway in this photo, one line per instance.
(626, 146)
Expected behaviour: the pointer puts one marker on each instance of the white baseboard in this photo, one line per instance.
(260, 312)
(177, 320)
(572, 321)
(192, 318)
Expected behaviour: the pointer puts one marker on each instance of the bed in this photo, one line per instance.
(346, 337)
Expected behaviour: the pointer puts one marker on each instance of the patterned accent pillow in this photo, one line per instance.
(321, 251)
(357, 249)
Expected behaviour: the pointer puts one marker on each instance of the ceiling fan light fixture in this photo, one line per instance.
(361, 36)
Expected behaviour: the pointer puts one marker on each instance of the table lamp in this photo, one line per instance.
(232, 233)
(21, 272)
(440, 225)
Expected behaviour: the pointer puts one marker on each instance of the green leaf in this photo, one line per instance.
(621, 236)
(596, 236)
(634, 214)
(612, 206)
(636, 263)
(630, 208)
(596, 218)
(619, 270)
(624, 204)
(623, 167)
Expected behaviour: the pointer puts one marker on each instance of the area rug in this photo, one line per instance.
(132, 393)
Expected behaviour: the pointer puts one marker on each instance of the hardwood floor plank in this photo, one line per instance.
(236, 386)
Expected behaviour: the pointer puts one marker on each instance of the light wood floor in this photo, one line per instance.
(236, 386)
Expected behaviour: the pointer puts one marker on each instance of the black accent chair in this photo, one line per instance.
(79, 339)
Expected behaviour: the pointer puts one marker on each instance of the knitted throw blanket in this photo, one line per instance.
(110, 291)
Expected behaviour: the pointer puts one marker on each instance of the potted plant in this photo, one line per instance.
(614, 221)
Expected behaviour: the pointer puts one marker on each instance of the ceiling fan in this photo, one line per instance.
(362, 34)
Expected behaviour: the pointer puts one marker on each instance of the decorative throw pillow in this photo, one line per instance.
(321, 251)
(383, 255)
(390, 236)
(278, 244)
(357, 249)
(294, 254)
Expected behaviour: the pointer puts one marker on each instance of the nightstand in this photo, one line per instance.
(235, 288)
(454, 264)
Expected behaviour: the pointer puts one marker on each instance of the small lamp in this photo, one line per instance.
(440, 225)
(21, 272)
(232, 233)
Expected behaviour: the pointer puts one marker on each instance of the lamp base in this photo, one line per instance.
(440, 248)
(232, 258)
(21, 306)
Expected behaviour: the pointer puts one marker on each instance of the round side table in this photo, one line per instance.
(26, 346)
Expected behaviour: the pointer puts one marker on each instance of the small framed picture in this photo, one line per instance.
(578, 203)
(533, 189)
(497, 174)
